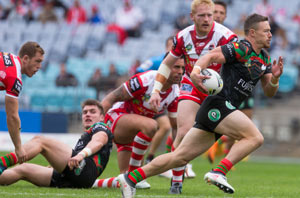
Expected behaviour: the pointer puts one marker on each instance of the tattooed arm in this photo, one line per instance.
(119, 94)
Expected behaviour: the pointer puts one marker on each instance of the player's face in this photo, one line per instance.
(219, 13)
(32, 65)
(203, 19)
(90, 115)
(177, 72)
(263, 34)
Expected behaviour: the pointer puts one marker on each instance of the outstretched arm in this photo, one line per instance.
(163, 74)
(97, 142)
(14, 126)
(214, 56)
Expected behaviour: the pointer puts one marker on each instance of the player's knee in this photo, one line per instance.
(259, 139)
(38, 138)
(150, 128)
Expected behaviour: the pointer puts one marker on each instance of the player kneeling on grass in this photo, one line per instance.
(72, 168)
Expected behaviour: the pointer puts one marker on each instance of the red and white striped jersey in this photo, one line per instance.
(139, 87)
(10, 74)
(188, 44)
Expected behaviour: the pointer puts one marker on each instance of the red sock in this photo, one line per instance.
(224, 166)
(169, 143)
(107, 183)
(140, 145)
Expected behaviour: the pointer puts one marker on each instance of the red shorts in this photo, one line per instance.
(111, 119)
(188, 91)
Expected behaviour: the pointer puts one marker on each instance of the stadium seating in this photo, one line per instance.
(87, 47)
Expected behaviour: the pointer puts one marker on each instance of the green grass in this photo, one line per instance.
(252, 179)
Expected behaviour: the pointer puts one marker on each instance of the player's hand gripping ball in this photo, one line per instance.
(214, 84)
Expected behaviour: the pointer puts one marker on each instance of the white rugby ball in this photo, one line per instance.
(214, 84)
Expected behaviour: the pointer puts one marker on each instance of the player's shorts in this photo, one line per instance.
(188, 91)
(111, 119)
(212, 111)
(248, 103)
(68, 178)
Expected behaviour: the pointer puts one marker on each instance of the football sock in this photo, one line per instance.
(222, 139)
(224, 166)
(107, 183)
(178, 174)
(8, 160)
(136, 176)
(140, 145)
(169, 143)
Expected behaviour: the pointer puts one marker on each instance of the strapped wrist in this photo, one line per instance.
(86, 152)
(274, 85)
(157, 87)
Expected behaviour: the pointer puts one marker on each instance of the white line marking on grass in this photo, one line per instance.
(108, 194)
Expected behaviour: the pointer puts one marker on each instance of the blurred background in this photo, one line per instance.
(92, 46)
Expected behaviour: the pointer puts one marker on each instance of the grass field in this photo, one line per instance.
(252, 179)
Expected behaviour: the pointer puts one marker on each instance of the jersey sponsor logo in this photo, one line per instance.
(188, 47)
(230, 50)
(146, 97)
(134, 84)
(229, 105)
(263, 67)
(6, 59)
(17, 87)
(186, 87)
(214, 115)
(200, 44)
(246, 85)
(211, 47)
(2, 74)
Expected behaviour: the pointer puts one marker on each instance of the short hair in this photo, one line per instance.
(30, 48)
(252, 21)
(92, 102)
(196, 3)
(221, 3)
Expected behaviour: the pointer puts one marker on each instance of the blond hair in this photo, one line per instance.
(196, 3)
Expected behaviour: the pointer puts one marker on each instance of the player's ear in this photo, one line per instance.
(25, 59)
(251, 32)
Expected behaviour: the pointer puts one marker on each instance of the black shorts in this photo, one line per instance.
(212, 111)
(159, 115)
(248, 103)
(68, 178)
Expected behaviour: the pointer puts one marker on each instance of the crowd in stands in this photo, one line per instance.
(124, 33)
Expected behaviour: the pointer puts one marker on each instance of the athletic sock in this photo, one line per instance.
(136, 176)
(224, 166)
(8, 160)
(107, 183)
(222, 139)
(140, 145)
(169, 143)
(178, 174)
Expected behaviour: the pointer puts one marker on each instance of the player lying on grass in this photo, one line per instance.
(72, 168)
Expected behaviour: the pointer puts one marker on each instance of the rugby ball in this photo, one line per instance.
(214, 84)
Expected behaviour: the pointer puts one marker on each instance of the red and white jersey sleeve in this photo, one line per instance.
(139, 87)
(10, 74)
(191, 46)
